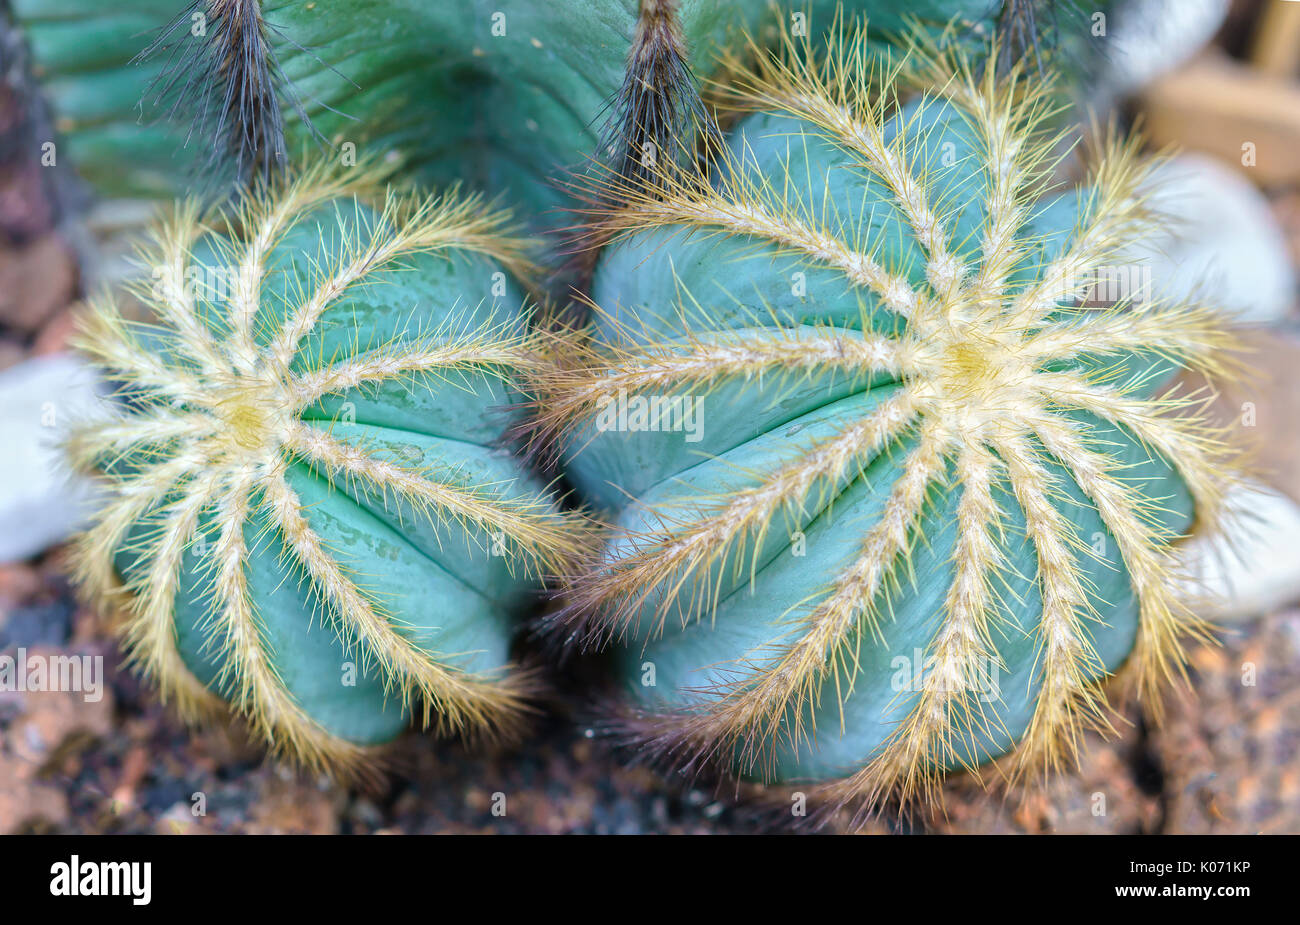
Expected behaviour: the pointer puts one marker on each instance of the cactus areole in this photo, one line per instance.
(309, 515)
(887, 502)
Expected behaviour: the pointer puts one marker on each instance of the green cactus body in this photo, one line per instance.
(901, 508)
(504, 96)
(310, 515)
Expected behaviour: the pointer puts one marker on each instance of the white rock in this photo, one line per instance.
(1222, 242)
(1151, 38)
(41, 501)
(1254, 567)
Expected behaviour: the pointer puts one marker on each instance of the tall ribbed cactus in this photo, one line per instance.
(503, 96)
(887, 499)
(307, 511)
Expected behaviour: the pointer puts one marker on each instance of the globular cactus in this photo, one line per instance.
(308, 514)
(888, 500)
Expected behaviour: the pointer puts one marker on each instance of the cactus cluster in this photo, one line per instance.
(883, 496)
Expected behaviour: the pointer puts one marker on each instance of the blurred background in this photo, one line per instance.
(1217, 80)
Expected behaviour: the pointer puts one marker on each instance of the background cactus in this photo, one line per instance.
(308, 512)
(504, 97)
(887, 500)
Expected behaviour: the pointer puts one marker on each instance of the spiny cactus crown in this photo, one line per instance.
(934, 414)
(321, 419)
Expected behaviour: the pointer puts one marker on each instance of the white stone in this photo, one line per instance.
(1151, 38)
(41, 501)
(1254, 567)
(1222, 242)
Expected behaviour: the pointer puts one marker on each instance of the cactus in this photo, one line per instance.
(306, 515)
(887, 500)
(505, 97)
